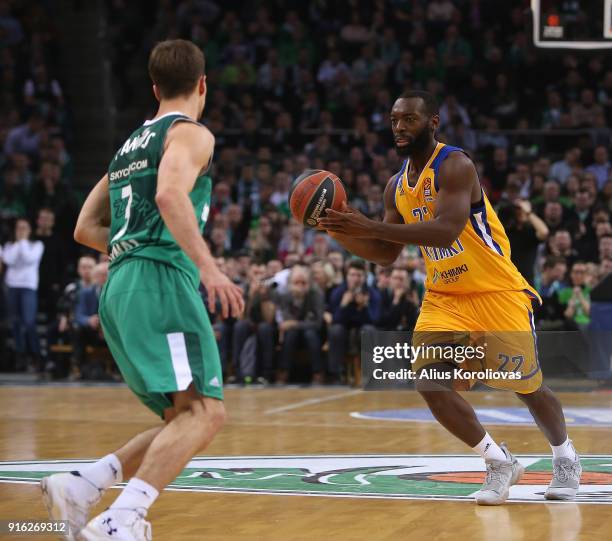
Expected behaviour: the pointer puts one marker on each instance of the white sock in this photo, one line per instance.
(565, 450)
(488, 449)
(137, 494)
(104, 473)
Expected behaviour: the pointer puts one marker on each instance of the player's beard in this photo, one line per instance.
(419, 143)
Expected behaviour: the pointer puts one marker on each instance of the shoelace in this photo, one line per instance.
(493, 473)
(147, 530)
(563, 471)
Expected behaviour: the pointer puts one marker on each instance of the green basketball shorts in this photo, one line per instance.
(159, 333)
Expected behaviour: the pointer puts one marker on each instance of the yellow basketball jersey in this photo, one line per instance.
(479, 260)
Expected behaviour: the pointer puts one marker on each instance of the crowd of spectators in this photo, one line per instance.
(298, 85)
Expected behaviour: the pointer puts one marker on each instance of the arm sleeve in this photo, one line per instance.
(340, 314)
(373, 306)
(80, 313)
(314, 319)
(31, 252)
(10, 255)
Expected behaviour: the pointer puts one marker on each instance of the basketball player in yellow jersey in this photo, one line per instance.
(474, 293)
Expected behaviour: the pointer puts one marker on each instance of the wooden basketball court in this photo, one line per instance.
(64, 423)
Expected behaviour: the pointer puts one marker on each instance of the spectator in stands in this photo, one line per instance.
(22, 164)
(355, 307)
(12, 30)
(22, 259)
(323, 273)
(299, 319)
(253, 335)
(60, 330)
(550, 315)
(294, 241)
(39, 90)
(601, 166)
(552, 278)
(562, 169)
(263, 240)
(238, 221)
(576, 299)
(49, 191)
(336, 258)
(219, 242)
(604, 247)
(498, 170)
(53, 262)
(560, 244)
(399, 301)
(12, 196)
(383, 278)
(553, 216)
(67, 303)
(525, 230)
(320, 246)
(584, 112)
(450, 110)
(26, 137)
(551, 117)
(87, 330)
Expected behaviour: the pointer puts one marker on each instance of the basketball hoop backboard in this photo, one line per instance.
(572, 24)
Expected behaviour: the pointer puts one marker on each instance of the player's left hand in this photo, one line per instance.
(348, 221)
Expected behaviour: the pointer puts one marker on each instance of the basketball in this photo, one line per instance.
(314, 191)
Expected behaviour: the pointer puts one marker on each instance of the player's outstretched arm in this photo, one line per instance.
(188, 150)
(93, 224)
(378, 251)
(458, 179)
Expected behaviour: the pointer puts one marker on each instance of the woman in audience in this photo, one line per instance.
(22, 259)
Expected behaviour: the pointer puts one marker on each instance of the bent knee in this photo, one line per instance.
(214, 413)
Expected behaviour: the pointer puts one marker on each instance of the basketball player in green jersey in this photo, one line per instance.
(148, 211)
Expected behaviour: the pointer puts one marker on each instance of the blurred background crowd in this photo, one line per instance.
(291, 86)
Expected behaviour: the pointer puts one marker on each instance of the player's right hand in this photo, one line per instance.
(219, 286)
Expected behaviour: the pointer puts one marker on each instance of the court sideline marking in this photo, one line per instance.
(312, 401)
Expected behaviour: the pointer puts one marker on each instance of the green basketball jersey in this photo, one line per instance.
(137, 228)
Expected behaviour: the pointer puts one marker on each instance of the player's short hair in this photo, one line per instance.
(431, 103)
(175, 66)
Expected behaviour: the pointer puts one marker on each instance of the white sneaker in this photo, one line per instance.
(59, 494)
(501, 475)
(566, 479)
(124, 525)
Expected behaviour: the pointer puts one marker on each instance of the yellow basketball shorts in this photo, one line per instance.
(489, 337)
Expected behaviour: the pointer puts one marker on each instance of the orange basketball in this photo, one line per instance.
(312, 192)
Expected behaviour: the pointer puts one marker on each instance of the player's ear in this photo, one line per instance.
(434, 122)
(156, 93)
(202, 85)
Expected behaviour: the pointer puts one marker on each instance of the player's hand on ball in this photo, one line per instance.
(348, 221)
(218, 285)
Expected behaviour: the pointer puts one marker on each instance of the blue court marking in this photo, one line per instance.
(499, 416)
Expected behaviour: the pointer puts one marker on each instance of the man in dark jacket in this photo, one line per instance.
(355, 307)
(300, 319)
(398, 304)
(87, 322)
